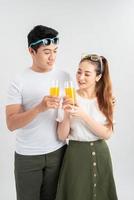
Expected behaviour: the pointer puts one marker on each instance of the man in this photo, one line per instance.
(32, 111)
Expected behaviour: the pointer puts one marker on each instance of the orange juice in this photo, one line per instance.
(70, 92)
(54, 91)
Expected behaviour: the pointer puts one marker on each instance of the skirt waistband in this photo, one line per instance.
(86, 142)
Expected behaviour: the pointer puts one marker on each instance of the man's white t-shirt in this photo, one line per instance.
(39, 136)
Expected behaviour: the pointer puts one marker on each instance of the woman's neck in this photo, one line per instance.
(89, 94)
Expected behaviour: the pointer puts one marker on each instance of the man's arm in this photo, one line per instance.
(16, 117)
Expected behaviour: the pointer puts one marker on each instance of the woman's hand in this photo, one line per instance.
(67, 104)
(73, 110)
(77, 111)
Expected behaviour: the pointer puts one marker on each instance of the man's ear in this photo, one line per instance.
(31, 51)
(98, 77)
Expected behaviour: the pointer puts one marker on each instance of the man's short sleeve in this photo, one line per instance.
(14, 95)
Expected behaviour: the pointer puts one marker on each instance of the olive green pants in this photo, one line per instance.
(37, 176)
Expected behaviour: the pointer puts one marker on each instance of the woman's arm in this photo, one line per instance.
(63, 128)
(97, 128)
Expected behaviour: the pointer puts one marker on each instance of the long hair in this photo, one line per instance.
(103, 88)
(104, 93)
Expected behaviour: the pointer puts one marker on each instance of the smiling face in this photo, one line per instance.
(44, 57)
(86, 75)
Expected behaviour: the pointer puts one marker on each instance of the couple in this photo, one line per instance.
(45, 167)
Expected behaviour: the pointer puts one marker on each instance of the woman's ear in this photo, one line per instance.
(98, 77)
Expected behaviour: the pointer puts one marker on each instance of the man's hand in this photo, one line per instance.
(49, 102)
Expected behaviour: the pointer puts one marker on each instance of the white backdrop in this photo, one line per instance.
(105, 27)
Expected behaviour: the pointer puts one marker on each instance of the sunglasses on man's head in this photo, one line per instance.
(94, 58)
(46, 41)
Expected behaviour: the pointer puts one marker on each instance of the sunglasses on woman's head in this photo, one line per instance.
(94, 58)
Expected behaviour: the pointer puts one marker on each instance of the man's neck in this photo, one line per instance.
(40, 70)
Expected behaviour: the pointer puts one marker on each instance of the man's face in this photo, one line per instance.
(44, 57)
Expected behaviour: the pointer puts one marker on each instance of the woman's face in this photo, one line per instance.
(86, 75)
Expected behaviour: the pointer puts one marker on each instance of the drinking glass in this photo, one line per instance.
(70, 92)
(54, 89)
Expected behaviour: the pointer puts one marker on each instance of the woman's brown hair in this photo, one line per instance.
(103, 86)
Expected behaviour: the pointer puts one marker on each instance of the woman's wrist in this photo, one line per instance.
(66, 115)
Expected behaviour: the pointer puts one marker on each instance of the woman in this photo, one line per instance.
(86, 173)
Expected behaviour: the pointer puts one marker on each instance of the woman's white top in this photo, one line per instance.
(80, 131)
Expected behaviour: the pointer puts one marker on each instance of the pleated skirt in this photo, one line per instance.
(86, 172)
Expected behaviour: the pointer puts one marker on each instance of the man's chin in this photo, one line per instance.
(50, 67)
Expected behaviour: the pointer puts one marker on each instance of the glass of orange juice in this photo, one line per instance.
(54, 89)
(70, 91)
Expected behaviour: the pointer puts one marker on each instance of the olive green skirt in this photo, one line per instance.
(86, 173)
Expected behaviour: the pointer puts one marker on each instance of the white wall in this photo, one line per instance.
(104, 27)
